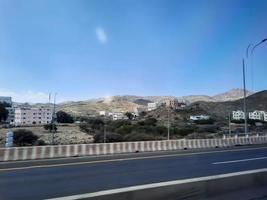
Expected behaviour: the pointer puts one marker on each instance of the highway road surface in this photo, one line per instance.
(43, 179)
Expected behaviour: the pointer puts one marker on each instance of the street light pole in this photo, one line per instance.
(54, 120)
(245, 95)
(168, 137)
(229, 121)
(244, 80)
(252, 58)
(105, 135)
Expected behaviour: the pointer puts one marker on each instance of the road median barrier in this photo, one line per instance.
(58, 151)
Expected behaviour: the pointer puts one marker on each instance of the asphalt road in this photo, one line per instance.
(63, 177)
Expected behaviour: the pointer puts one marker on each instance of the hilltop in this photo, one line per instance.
(129, 103)
(256, 101)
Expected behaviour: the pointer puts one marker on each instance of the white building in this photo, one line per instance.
(256, 115)
(11, 115)
(102, 113)
(264, 115)
(118, 116)
(199, 117)
(32, 116)
(152, 106)
(238, 115)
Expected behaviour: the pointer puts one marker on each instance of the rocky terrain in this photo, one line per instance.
(66, 134)
(257, 101)
(130, 103)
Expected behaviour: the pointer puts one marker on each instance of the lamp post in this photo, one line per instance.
(54, 120)
(258, 44)
(245, 95)
(244, 79)
(168, 137)
(105, 134)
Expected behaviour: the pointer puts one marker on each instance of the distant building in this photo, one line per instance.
(264, 113)
(6, 100)
(118, 116)
(11, 115)
(172, 103)
(238, 115)
(152, 106)
(256, 115)
(199, 117)
(33, 116)
(175, 103)
(102, 113)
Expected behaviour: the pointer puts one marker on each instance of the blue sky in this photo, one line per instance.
(91, 48)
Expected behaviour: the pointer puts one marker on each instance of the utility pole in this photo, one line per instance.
(168, 137)
(54, 120)
(105, 135)
(229, 121)
(245, 96)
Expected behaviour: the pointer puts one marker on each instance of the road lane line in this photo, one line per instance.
(242, 160)
(125, 159)
(157, 185)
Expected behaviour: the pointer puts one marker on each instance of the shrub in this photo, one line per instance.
(24, 137)
(110, 137)
(205, 121)
(84, 127)
(63, 117)
(50, 127)
(139, 137)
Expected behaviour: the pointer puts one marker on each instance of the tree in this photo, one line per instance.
(50, 127)
(63, 117)
(129, 115)
(3, 112)
(24, 137)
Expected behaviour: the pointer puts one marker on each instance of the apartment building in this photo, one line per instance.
(32, 116)
(256, 115)
(172, 103)
(11, 115)
(102, 113)
(264, 116)
(238, 115)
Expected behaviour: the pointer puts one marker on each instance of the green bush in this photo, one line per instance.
(50, 127)
(24, 137)
(84, 127)
(205, 121)
(110, 137)
(63, 117)
(139, 137)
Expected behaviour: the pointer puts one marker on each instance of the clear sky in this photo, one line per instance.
(91, 48)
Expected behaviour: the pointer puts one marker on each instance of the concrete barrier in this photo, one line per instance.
(210, 187)
(41, 152)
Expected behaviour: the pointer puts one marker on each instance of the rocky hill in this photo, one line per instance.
(231, 95)
(130, 102)
(257, 101)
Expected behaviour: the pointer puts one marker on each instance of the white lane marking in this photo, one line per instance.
(242, 160)
(126, 159)
(156, 185)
